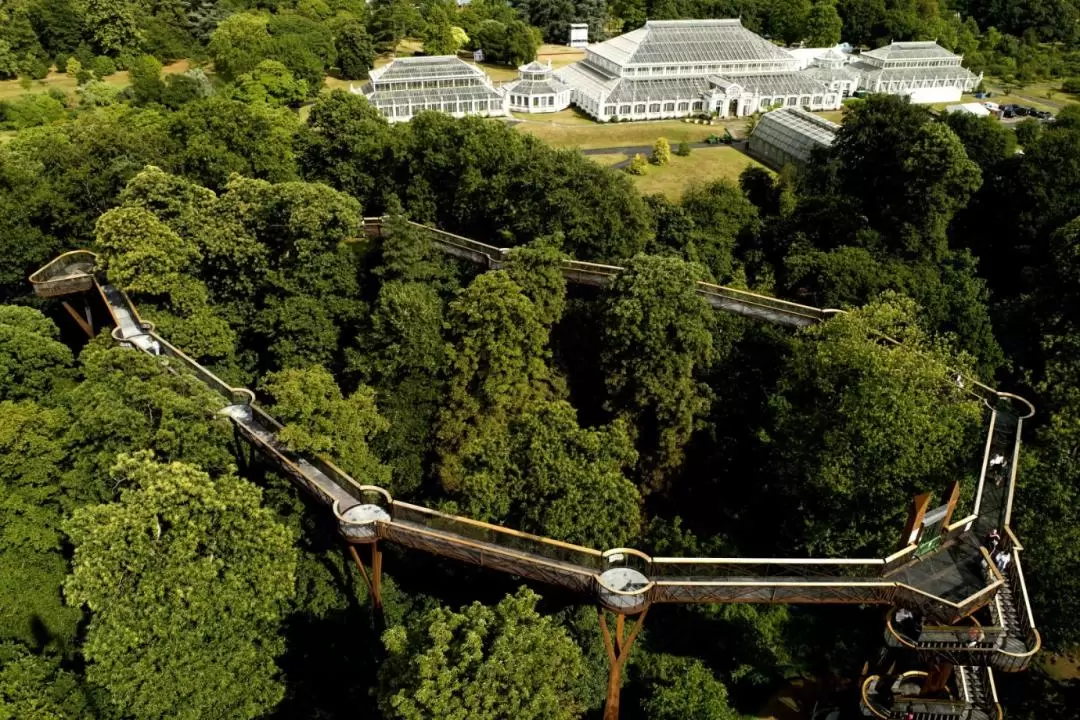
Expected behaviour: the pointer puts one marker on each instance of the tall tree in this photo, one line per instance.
(187, 579)
(33, 362)
(319, 419)
(656, 340)
(483, 663)
(862, 425)
(823, 25)
(239, 43)
(496, 360)
(355, 51)
(34, 686)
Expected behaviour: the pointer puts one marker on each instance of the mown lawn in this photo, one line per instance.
(11, 88)
(609, 159)
(601, 135)
(702, 165)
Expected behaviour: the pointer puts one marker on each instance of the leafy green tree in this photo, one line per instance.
(683, 150)
(547, 475)
(271, 82)
(862, 425)
(32, 561)
(112, 24)
(986, 141)
(129, 400)
(34, 686)
(1027, 132)
(391, 21)
(348, 144)
(239, 43)
(319, 419)
(33, 362)
(212, 138)
(30, 111)
(186, 579)
(661, 152)
(823, 25)
(355, 51)
(521, 43)
(719, 216)
(483, 663)
(490, 37)
(146, 83)
(103, 66)
(638, 165)
(683, 688)
(537, 268)
(656, 339)
(496, 366)
(438, 35)
(404, 356)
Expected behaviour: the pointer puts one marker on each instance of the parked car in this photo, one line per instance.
(1020, 110)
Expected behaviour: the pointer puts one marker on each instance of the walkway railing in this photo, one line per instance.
(624, 579)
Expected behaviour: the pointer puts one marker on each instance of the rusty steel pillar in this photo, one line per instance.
(374, 580)
(617, 652)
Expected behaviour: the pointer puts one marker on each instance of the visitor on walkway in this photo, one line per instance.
(1002, 560)
(993, 539)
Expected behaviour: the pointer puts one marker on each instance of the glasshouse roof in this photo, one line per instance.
(954, 72)
(550, 86)
(918, 50)
(689, 41)
(439, 67)
(417, 98)
(795, 131)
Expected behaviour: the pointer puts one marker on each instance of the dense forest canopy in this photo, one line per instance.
(152, 567)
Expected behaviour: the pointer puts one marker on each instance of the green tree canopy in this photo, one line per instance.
(239, 44)
(186, 579)
(34, 686)
(319, 419)
(548, 476)
(823, 25)
(355, 50)
(33, 362)
(483, 663)
(656, 340)
(496, 366)
(32, 561)
(862, 425)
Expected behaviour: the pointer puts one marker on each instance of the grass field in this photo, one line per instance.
(600, 135)
(609, 159)
(702, 165)
(11, 88)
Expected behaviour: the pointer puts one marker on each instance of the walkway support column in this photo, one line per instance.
(617, 652)
(374, 580)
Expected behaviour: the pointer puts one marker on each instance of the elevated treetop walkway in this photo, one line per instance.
(942, 572)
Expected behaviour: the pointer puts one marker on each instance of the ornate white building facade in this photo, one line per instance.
(446, 83)
(536, 91)
(676, 68)
(923, 70)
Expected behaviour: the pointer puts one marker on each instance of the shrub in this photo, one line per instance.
(31, 111)
(60, 61)
(58, 95)
(99, 92)
(661, 151)
(683, 150)
(637, 165)
(1071, 85)
(102, 67)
